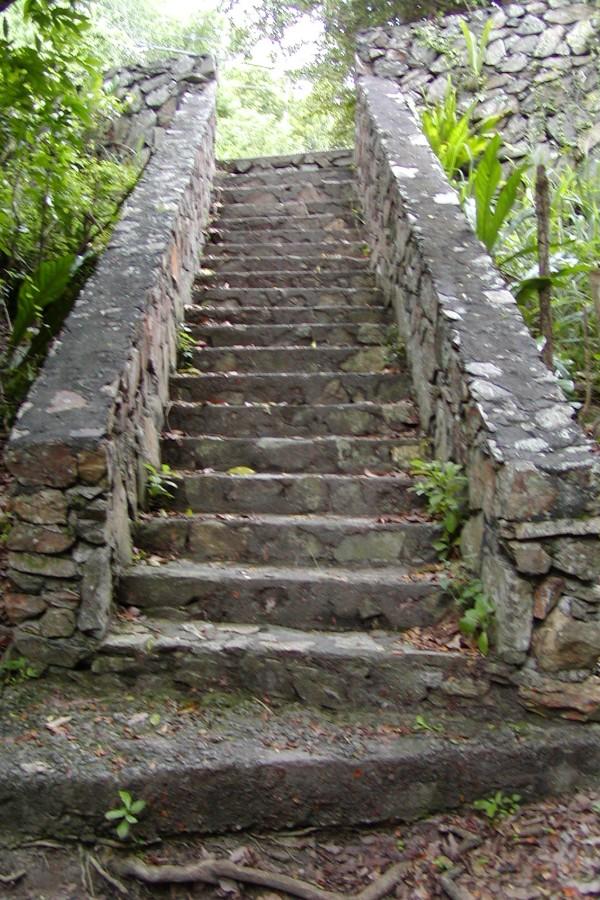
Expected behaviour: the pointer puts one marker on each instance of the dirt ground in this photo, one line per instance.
(546, 849)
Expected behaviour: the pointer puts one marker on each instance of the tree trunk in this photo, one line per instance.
(542, 210)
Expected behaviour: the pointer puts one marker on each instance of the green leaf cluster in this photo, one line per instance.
(161, 484)
(126, 814)
(498, 805)
(59, 193)
(444, 486)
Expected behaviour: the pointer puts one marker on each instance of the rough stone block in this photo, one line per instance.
(564, 643)
(513, 598)
(41, 507)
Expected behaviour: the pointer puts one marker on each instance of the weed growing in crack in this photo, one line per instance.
(478, 611)
(186, 344)
(498, 805)
(126, 814)
(444, 486)
(13, 671)
(160, 484)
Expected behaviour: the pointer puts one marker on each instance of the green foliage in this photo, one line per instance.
(422, 724)
(495, 197)
(455, 138)
(126, 814)
(476, 49)
(574, 255)
(16, 669)
(478, 611)
(395, 348)
(160, 483)
(329, 105)
(498, 805)
(58, 194)
(186, 344)
(444, 486)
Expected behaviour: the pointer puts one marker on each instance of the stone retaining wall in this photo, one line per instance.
(489, 403)
(541, 69)
(151, 94)
(95, 413)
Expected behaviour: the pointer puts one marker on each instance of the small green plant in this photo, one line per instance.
(160, 483)
(12, 671)
(395, 348)
(498, 805)
(445, 488)
(478, 610)
(186, 344)
(476, 49)
(421, 724)
(494, 197)
(443, 863)
(455, 138)
(126, 814)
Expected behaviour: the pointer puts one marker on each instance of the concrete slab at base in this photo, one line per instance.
(204, 766)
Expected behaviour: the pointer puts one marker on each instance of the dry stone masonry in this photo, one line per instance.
(483, 394)
(540, 71)
(95, 413)
(290, 380)
(150, 95)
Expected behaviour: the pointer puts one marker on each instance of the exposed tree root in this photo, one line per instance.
(211, 871)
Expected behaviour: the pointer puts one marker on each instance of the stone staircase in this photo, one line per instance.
(269, 680)
(294, 581)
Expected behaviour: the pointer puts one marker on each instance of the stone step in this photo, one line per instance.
(286, 315)
(289, 359)
(284, 210)
(313, 160)
(289, 540)
(277, 192)
(314, 250)
(285, 279)
(285, 176)
(342, 222)
(283, 420)
(350, 670)
(332, 232)
(235, 297)
(311, 263)
(300, 388)
(365, 334)
(303, 598)
(342, 455)
(288, 494)
(221, 763)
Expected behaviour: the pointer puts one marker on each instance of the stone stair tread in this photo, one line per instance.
(286, 278)
(283, 209)
(236, 334)
(278, 316)
(322, 159)
(285, 419)
(299, 296)
(189, 569)
(265, 537)
(342, 248)
(237, 263)
(337, 222)
(225, 766)
(284, 358)
(328, 453)
(302, 387)
(294, 493)
(278, 176)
